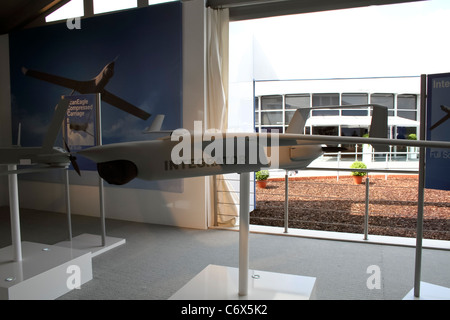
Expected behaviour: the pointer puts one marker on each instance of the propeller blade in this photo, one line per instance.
(73, 159)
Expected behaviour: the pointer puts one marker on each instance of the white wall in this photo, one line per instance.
(186, 209)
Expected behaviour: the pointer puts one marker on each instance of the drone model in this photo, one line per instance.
(95, 85)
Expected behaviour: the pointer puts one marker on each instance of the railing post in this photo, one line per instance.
(286, 201)
(366, 216)
(215, 205)
(244, 231)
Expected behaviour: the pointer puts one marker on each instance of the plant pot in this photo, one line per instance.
(358, 179)
(261, 184)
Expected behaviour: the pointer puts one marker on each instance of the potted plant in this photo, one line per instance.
(261, 178)
(358, 175)
(412, 151)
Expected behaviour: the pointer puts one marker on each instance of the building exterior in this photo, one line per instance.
(276, 102)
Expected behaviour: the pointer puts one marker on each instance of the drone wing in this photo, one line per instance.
(123, 105)
(300, 139)
(61, 81)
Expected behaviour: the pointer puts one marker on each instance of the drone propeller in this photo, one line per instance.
(73, 159)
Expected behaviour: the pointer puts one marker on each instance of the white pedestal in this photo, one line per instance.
(221, 283)
(43, 272)
(429, 291)
(92, 243)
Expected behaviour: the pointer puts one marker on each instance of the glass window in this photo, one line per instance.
(298, 101)
(272, 118)
(102, 6)
(412, 115)
(328, 131)
(325, 99)
(271, 129)
(407, 101)
(271, 102)
(288, 116)
(384, 99)
(72, 9)
(353, 132)
(355, 98)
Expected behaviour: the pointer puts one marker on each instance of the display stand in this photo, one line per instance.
(223, 283)
(33, 270)
(94, 244)
(428, 291)
(44, 273)
(30, 271)
(88, 242)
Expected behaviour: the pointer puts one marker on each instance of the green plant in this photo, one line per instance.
(262, 175)
(358, 165)
(412, 136)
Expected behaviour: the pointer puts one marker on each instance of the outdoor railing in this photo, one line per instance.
(283, 203)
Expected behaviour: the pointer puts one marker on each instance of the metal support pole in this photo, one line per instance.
(88, 6)
(215, 205)
(69, 218)
(244, 230)
(100, 180)
(421, 195)
(286, 202)
(142, 3)
(366, 216)
(14, 213)
(419, 232)
(102, 212)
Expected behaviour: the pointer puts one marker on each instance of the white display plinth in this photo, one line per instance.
(429, 291)
(92, 243)
(221, 283)
(43, 273)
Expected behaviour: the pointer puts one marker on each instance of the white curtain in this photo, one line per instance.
(217, 111)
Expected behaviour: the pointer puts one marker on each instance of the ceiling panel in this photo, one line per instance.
(17, 14)
(253, 9)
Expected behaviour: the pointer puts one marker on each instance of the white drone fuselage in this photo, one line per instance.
(153, 160)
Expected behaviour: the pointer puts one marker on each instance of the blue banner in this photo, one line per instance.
(437, 129)
(80, 130)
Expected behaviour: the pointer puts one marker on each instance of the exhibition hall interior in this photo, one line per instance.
(216, 150)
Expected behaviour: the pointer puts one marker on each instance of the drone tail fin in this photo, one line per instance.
(55, 125)
(298, 121)
(156, 124)
(379, 126)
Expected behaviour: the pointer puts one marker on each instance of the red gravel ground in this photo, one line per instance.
(328, 204)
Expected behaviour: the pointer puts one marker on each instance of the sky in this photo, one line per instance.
(390, 40)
